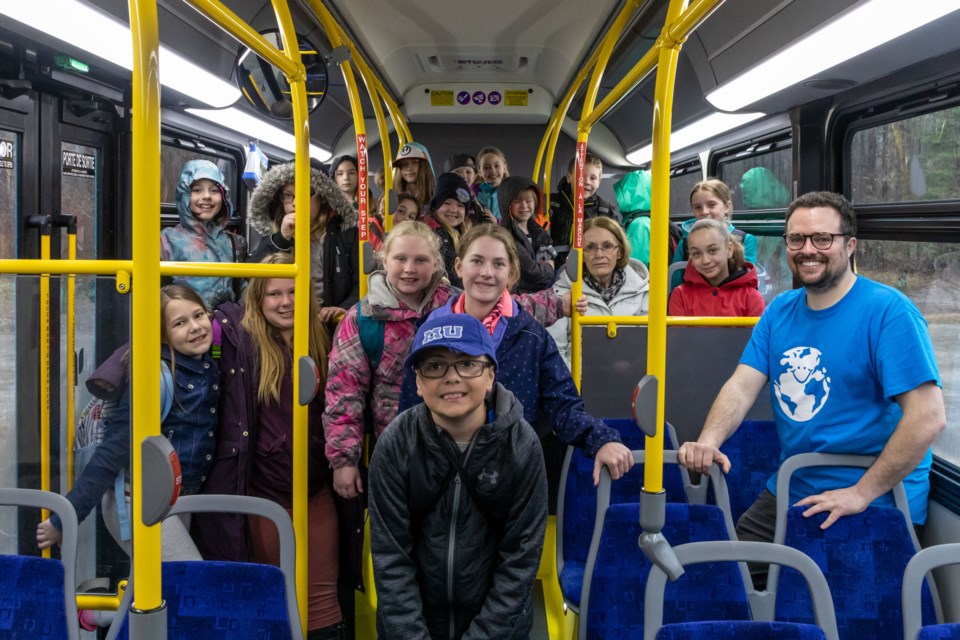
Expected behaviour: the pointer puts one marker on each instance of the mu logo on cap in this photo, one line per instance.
(439, 333)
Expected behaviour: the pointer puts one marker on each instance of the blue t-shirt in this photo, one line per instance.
(834, 375)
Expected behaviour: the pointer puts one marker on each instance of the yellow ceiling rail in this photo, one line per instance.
(64, 267)
(148, 615)
(230, 22)
(552, 134)
(359, 125)
(674, 33)
(600, 65)
(302, 319)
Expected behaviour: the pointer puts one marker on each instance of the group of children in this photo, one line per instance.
(455, 318)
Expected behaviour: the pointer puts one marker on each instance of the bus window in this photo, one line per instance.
(907, 160)
(682, 180)
(172, 159)
(929, 274)
(759, 181)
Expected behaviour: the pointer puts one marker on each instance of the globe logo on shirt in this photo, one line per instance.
(803, 387)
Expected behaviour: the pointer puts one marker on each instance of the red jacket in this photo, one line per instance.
(735, 297)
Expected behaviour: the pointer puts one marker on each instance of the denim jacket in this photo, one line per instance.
(190, 426)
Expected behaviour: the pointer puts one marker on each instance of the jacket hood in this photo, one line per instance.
(633, 191)
(508, 190)
(332, 167)
(745, 278)
(382, 302)
(276, 178)
(686, 225)
(760, 189)
(198, 170)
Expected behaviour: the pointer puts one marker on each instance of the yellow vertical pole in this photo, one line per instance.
(333, 33)
(603, 56)
(659, 228)
(145, 156)
(541, 152)
(302, 317)
(71, 349)
(45, 369)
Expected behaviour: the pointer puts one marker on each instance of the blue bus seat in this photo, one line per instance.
(754, 453)
(616, 568)
(913, 577)
(727, 594)
(576, 513)
(863, 557)
(37, 596)
(228, 600)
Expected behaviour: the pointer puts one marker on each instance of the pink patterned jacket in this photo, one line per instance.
(351, 385)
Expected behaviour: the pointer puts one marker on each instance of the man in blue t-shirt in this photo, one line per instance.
(851, 370)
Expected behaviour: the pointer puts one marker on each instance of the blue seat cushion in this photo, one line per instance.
(224, 601)
(941, 632)
(740, 630)
(31, 598)
(863, 557)
(571, 581)
(709, 591)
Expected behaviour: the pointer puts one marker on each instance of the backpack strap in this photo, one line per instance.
(166, 390)
(371, 336)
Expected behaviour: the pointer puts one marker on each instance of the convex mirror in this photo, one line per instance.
(266, 87)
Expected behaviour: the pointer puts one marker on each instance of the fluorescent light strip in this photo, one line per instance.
(869, 25)
(102, 35)
(256, 129)
(712, 125)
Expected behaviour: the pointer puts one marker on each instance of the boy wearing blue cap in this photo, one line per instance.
(458, 497)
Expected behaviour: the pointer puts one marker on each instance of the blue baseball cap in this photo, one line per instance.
(458, 332)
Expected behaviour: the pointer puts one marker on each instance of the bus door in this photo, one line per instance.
(57, 157)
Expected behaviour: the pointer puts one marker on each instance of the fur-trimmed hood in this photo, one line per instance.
(276, 178)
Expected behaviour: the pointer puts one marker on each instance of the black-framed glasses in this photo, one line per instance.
(822, 241)
(287, 196)
(464, 368)
(606, 247)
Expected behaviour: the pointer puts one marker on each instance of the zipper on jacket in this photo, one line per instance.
(451, 548)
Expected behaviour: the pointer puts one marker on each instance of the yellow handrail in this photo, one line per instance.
(102, 601)
(600, 65)
(674, 33)
(669, 52)
(113, 267)
(671, 321)
(145, 156)
(356, 108)
(235, 26)
(71, 353)
(45, 373)
(302, 318)
(556, 125)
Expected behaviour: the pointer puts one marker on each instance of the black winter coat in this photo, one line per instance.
(444, 567)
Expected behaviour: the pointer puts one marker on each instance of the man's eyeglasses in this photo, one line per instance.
(465, 368)
(288, 196)
(822, 241)
(606, 247)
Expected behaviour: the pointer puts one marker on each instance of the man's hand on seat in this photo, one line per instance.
(839, 502)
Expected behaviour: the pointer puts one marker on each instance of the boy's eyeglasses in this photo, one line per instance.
(822, 241)
(287, 197)
(606, 247)
(465, 368)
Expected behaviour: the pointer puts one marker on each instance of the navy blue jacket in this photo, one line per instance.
(530, 366)
(190, 426)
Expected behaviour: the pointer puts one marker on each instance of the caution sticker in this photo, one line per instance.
(441, 98)
(515, 98)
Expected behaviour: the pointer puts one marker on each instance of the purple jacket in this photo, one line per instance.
(225, 536)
